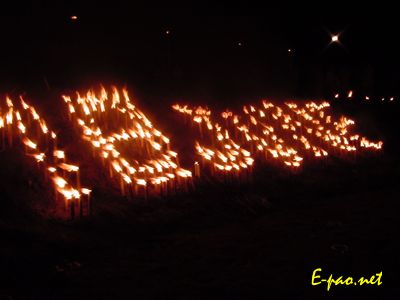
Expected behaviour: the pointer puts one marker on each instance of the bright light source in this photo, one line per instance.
(74, 18)
(289, 50)
(335, 38)
(350, 94)
(167, 32)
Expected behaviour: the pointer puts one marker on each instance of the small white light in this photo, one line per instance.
(350, 94)
(335, 38)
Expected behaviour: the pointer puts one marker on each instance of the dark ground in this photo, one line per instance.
(222, 240)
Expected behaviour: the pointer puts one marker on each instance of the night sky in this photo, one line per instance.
(242, 54)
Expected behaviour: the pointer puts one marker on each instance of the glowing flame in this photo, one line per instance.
(112, 124)
(29, 143)
(281, 133)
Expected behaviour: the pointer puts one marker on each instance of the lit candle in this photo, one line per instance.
(196, 169)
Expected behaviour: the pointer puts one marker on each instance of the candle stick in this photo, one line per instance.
(196, 170)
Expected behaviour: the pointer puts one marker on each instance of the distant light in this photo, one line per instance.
(366, 98)
(74, 18)
(337, 96)
(392, 98)
(383, 99)
(289, 50)
(350, 94)
(167, 32)
(335, 38)
(239, 44)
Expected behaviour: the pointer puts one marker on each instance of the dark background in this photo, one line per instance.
(126, 42)
(226, 241)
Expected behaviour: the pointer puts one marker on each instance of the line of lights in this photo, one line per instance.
(22, 125)
(286, 133)
(350, 95)
(126, 141)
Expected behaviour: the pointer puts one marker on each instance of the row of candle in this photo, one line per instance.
(20, 123)
(133, 150)
(138, 155)
(286, 133)
(350, 94)
(223, 155)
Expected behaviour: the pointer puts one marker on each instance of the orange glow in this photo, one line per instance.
(284, 133)
(23, 120)
(68, 167)
(59, 154)
(125, 139)
(29, 143)
(59, 181)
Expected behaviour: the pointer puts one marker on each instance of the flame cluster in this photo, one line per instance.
(285, 133)
(225, 154)
(127, 142)
(21, 122)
